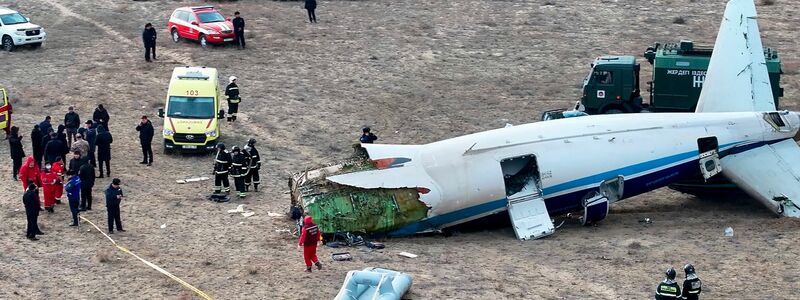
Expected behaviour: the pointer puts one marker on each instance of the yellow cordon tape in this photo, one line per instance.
(152, 265)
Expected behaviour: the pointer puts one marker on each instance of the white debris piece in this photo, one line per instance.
(163, 225)
(729, 231)
(272, 214)
(239, 209)
(247, 214)
(194, 179)
(406, 254)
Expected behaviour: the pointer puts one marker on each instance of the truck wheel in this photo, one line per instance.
(175, 36)
(203, 41)
(8, 43)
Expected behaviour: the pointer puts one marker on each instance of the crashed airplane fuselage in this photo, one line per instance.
(543, 169)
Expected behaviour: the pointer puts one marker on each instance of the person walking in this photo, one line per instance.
(668, 289)
(232, 92)
(89, 133)
(103, 142)
(36, 144)
(146, 132)
(114, 197)
(72, 121)
(45, 125)
(238, 29)
(29, 172)
(87, 176)
(692, 286)
(49, 180)
(309, 239)
(240, 164)
(16, 150)
(255, 165)
(310, 6)
(100, 116)
(73, 189)
(367, 137)
(222, 165)
(149, 38)
(32, 206)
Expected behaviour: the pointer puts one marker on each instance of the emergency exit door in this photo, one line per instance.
(526, 206)
(708, 149)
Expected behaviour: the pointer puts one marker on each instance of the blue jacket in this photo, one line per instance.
(73, 188)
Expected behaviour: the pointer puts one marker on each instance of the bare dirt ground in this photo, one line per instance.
(417, 72)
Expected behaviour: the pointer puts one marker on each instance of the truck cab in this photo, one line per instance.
(191, 111)
(612, 86)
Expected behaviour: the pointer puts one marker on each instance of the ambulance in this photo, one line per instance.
(5, 110)
(192, 110)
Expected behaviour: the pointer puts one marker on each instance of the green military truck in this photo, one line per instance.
(679, 70)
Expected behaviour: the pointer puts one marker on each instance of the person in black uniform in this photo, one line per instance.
(668, 289)
(113, 199)
(36, 144)
(146, 132)
(238, 29)
(149, 38)
(255, 165)
(71, 121)
(239, 168)
(367, 137)
(103, 142)
(232, 92)
(311, 5)
(86, 173)
(692, 286)
(54, 148)
(17, 153)
(32, 207)
(100, 116)
(222, 165)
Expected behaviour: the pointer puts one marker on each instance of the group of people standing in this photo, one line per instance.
(669, 288)
(243, 164)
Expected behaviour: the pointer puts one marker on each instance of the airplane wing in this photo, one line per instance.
(737, 78)
(770, 174)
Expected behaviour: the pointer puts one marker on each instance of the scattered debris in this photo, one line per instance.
(646, 221)
(219, 197)
(729, 231)
(163, 225)
(342, 256)
(335, 244)
(406, 254)
(193, 179)
(375, 245)
(248, 214)
(239, 209)
(374, 283)
(272, 214)
(284, 230)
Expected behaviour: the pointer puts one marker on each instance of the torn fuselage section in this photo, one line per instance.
(343, 208)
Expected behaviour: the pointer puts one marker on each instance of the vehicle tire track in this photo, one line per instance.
(67, 12)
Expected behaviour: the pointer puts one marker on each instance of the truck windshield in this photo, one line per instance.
(211, 17)
(11, 19)
(191, 107)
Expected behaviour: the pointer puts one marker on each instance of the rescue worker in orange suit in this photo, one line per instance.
(692, 286)
(29, 172)
(58, 168)
(222, 165)
(49, 181)
(668, 289)
(232, 92)
(32, 207)
(309, 239)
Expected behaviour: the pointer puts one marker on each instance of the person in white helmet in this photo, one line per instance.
(232, 92)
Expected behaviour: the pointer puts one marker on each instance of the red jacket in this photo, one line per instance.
(26, 172)
(310, 234)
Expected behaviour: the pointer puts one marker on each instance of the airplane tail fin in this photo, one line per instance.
(737, 78)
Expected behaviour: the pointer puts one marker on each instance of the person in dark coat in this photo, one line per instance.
(72, 121)
(149, 39)
(238, 29)
(311, 5)
(36, 144)
(100, 116)
(367, 136)
(89, 133)
(86, 174)
(17, 152)
(54, 148)
(103, 142)
(146, 132)
(62, 136)
(45, 125)
(32, 206)
(76, 163)
(113, 199)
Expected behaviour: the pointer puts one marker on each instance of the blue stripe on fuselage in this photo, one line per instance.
(572, 201)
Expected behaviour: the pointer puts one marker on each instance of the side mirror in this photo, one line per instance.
(221, 114)
(160, 112)
(194, 23)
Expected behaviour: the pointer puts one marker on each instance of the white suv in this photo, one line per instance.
(16, 30)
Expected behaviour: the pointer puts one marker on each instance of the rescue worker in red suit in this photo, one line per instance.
(309, 238)
(58, 168)
(29, 171)
(49, 180)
